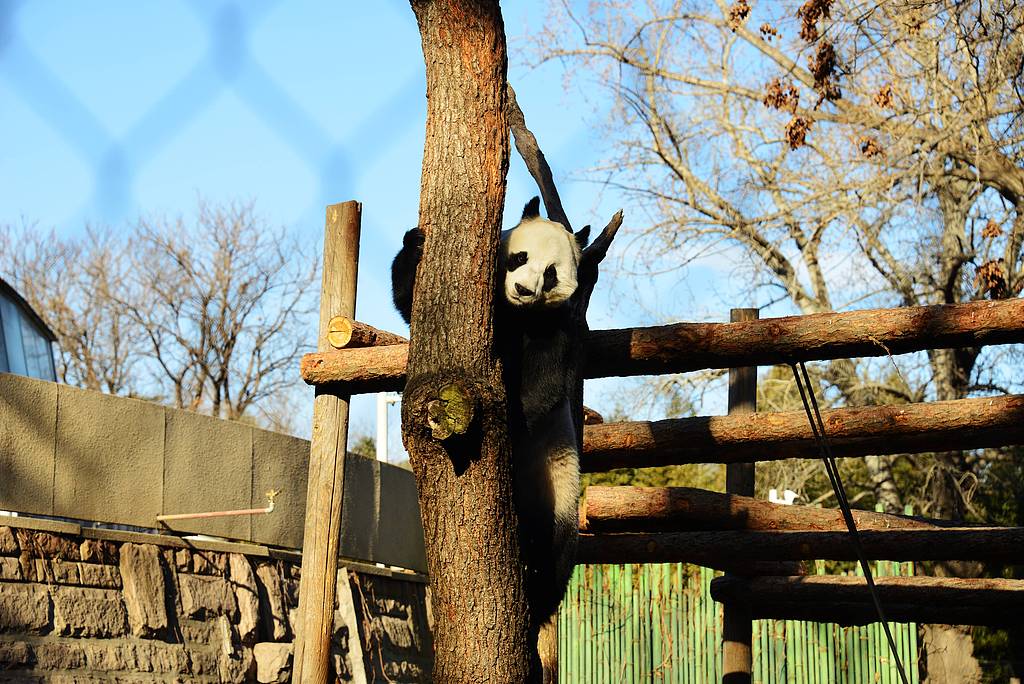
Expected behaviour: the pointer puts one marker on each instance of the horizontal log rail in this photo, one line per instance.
(369, 369)
(694, 346)
(845, 600)
(733, 548)
(873, 430)
(661, 509)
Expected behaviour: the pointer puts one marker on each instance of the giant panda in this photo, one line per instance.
(535, 335)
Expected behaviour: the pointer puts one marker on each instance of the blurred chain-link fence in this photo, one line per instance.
(117, 155)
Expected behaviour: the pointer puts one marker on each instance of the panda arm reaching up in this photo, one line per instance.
(403, 272)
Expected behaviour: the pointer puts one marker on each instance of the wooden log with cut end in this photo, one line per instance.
(906, 428)
(845, 600)
(683, 347)
(732, 548)
(347, 333)
(655, 509)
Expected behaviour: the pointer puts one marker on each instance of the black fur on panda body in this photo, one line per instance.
(537, 345)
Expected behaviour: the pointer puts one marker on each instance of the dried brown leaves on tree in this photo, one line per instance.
(823, 66)
(796, 131)
(924, 139)
(768, 31)
(738, 13)
(990, 280)
(991, 230)
(781, 95)
(883, 98)
(809, 14)
(869, 147)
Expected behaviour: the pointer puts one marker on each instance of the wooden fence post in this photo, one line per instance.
(321, 538)
(737, 627)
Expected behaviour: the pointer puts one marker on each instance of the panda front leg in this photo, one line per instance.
(546, 464)
(564, 473)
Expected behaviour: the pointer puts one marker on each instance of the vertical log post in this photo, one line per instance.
(321, 537)
(737, 627)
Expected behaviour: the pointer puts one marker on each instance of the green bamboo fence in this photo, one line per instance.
(657, 623)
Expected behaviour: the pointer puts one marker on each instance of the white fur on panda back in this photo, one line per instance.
(546, 243)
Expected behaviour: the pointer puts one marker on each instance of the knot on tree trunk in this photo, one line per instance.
(445, 405)
(451, 413)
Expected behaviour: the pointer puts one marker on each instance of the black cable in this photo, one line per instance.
(832, 469)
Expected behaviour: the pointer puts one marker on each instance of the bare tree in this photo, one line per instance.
(850, 153)
(219, 302)
(74, 284)
(202, 313)
(853, 153)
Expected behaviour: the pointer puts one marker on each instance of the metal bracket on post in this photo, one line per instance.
(383, 400)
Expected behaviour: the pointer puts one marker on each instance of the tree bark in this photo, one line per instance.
(737, 625)
(684, 347)
(846, 601)
(454, 411)
(367, 369)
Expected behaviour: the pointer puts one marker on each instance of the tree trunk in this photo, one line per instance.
(454, 413)
(950, 648)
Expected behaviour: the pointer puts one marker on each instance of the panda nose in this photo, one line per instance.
(523, 291)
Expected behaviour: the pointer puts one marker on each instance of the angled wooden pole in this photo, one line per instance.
(321, 538)
(737, 628)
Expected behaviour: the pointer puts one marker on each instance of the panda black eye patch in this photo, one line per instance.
(515, 261)
(550, 278)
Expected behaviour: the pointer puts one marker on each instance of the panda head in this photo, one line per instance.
(539, 259)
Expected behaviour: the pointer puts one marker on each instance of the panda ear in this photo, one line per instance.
(532, 209)
(583, 236)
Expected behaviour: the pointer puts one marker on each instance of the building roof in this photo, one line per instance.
(9, 291)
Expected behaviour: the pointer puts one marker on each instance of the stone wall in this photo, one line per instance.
(104, 606)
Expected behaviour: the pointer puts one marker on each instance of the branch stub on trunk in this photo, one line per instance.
(451, 413)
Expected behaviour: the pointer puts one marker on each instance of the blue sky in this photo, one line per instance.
(113, 109)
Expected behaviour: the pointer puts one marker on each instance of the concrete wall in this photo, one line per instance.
(87, 605)
(91, 456)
